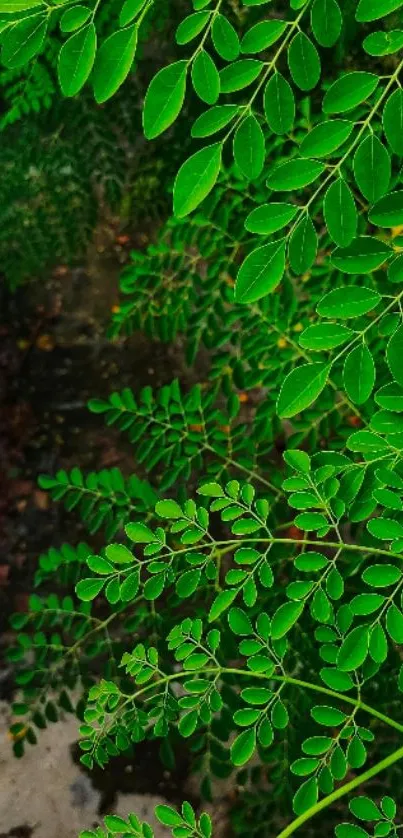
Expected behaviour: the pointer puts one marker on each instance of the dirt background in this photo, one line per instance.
(54, 356)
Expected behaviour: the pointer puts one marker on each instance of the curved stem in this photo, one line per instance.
(286, 679)
(340, 792)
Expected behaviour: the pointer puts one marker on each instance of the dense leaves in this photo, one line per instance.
(237, 584)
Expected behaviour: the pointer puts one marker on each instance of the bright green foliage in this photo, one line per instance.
(254, 578)
(27, 24)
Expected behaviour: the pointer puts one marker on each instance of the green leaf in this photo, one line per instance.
(303, 246)
(359, 374)
(168, 509)
(130, 10)
(23, 41)
(187, 583)
(243, 747)
(363, 255)
(388, 212)
(268, 218)
(262, 35)
(388, 807)
(326, 138)
(130, 586)
(328, 716)
(336, 680)
(390, 397)
(378, 644)
(154, 586)
(221, 603)
(191, 26)
(279, 104)
(393, 121)
(372, 168)
(168, 816)
(261, 272)
(340, 213)
(304, 62)
(256, 695)
(139, 533)
(326, 22)
(211, 490)
(119, 554)
(354, 649)
(76, 59)
(240, 74)
(113, 62)
(365, 809)
(249, 147)
(394, 623)
(115, 824)
(394, 355)
(205, 78)
(310, 521)
(239, 622)
(295, 174)
(196, 178)
(301, 388)
(164, 99)
(383, 43)
(99, 565)
(385, 529)
(225, 38)
(386, 422)
(351, 301)
(349, 91)
(298, 460)
(285, 617)
(306, 796)
(74, 18)
(369, 10)
(88, 589)
(322, 336)
(366, 442)
(213, 120)
(14, 6)
(246, 717)
(349, 830)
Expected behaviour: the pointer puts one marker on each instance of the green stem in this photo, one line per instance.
(286, 679)
(343, 790)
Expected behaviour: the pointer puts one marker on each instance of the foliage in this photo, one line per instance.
(238, 584)
(59, 179)
(77, 40)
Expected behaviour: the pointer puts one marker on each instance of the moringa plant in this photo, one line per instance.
(250, 593)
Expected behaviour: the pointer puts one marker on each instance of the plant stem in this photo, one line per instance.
(340, 792)
(286, 679)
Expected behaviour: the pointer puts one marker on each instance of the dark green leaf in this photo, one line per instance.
(279, 104)
(359, 374)
(304, 62)
(326, 22)
(303, 246)
(372, 168)
(249, 147)
(349, 91)
(340, 213)
(394, 355)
